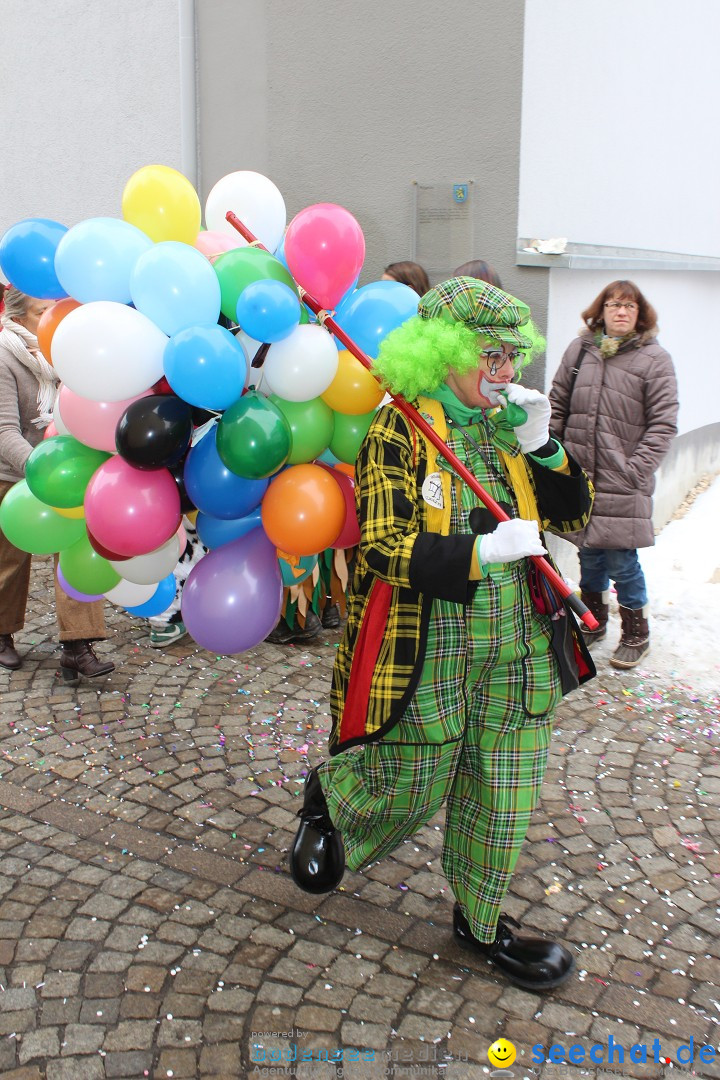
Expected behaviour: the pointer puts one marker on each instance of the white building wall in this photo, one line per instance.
(621, 144)
(620, 148)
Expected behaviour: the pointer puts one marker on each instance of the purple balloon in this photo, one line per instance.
(74, 593)
(232, 598)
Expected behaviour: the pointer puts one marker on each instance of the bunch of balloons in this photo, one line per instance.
(153, 333)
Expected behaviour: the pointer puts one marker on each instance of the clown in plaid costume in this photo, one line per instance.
(446, 680)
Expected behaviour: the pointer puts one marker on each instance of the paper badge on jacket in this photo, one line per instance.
(432, 491)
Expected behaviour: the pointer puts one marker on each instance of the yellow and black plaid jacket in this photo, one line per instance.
(403, 564)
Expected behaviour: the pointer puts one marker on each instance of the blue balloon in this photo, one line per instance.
(214, 532)
(372, 311)
(27, 257)
(206, 366)
(213, 488)
(161, 599)
(175, 286)
(95, 258)
(268, 310)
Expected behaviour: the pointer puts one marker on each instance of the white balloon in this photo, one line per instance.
(62, 428)
(153, 567)
(130, 594)
(256, 201)
(302, 365)
(107, 352)
(250, 345)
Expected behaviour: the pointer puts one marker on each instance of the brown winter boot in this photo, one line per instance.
(597, 603)
(8, 657)
(634, 640)
(78, 658)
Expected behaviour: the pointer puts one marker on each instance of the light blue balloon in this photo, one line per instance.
(372, 311)
(213, 488)
(206, 366)
(328, 457)
(95, 258)
(268, 310)
(160, 600)
(279, 253)
(214, 532)
(27, 257)
(175, 286)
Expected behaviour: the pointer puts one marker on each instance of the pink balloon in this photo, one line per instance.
(93, 422)
(324, 250)
(212, 243)
(132, 511)
(50, 430)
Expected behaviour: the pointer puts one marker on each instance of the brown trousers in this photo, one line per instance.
(75, 619)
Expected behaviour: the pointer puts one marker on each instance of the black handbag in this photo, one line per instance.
(575, 663)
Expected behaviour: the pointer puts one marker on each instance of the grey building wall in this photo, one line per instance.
(351, 103)
(90, 94)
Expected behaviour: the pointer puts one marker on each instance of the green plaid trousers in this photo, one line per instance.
(475, 739)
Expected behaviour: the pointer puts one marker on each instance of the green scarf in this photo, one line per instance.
(503, 435)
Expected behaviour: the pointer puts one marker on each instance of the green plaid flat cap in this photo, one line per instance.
(482, 307)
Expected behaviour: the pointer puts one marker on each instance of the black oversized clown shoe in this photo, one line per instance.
(317, 857)
(532, 963)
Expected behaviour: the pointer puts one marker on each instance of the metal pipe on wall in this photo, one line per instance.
(188, 91)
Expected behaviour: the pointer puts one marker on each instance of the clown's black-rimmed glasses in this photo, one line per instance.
(495, 359)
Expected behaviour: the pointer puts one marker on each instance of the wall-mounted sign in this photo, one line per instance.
(443, 224)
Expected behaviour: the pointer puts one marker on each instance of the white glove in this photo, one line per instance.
(529, 416)
(511, 540)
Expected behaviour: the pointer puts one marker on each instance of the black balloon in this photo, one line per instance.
(154, 432)
(178, 474)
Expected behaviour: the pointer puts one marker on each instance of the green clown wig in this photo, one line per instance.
(417, 357)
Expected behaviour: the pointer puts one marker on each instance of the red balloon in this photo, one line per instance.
(350, 532)
(102, 550)
(162, 386)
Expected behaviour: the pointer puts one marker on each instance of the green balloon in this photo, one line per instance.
(349, 434)
(59, 469)
(311, 426)
(33, 526)
(238, 268)
(253, 437)
(87, 571)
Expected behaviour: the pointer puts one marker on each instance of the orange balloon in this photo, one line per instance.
(50, 320)
(344, 467)
(303, 510)
(354, 390)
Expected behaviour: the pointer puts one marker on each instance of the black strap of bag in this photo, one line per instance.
(574, 373)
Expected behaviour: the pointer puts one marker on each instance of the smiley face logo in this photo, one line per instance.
(501, 1053)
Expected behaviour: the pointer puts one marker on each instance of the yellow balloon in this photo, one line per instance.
(163, 203)
(354, 390)
(70, 511)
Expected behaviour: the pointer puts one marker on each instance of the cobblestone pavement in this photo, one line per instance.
(148, 925)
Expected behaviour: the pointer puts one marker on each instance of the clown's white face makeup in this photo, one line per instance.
(479, 389)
